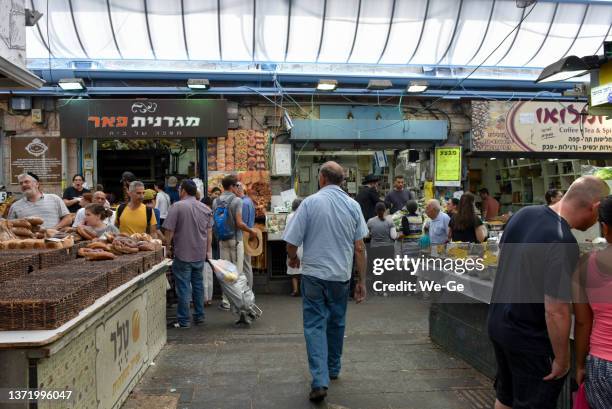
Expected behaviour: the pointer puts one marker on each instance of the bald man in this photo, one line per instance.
(330, 226)
(529, 317)
(99, 197)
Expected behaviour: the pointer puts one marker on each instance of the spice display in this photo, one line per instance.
(241, 150)
(221, 154)
(212, 154)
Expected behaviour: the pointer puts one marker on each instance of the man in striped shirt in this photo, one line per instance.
(48, 206)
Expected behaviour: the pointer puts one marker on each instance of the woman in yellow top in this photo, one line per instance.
(135, 217)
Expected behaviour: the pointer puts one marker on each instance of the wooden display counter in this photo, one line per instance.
(99, 355)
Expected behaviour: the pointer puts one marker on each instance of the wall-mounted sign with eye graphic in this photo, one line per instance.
(39, 155)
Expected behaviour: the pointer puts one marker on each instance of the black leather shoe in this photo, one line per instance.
(333, 377)
(317, 394)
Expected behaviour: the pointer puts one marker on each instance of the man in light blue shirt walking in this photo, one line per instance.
(330, 227)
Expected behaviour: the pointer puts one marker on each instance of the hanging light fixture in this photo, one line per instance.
(327, 85)
(564, 69)
(196, 83)
(72, 84)
(416, 87)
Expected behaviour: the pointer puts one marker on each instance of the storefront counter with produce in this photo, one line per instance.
(82, 321)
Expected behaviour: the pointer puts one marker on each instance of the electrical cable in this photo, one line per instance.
(525, 16)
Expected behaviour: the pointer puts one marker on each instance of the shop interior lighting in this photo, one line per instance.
(196, 83)
(492, 158)
(417, 86)
(327, 85)
(564, 69)
(72, 84)
(376, 85)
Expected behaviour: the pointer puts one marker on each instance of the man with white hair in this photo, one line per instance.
(135, 217)
(438, 225)
(99, 197)
(48, 206)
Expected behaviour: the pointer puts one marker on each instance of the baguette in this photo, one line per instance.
(35, 221)
(39, 244)
(13, 244)
(87, 233)
(20, 223)
(53, 244)
(22, 231)
(28, 244)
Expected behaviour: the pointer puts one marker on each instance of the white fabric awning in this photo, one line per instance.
(382, 32)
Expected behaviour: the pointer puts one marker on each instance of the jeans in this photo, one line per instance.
(324, 312)
(189, 281)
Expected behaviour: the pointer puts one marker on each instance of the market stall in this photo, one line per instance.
(246, 154)
(79, 319)
(520, 150)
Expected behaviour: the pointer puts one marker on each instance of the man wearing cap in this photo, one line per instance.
(171, 189)
(248, 217)
(368, 196)
(135, 217)
(188, 228)
(48, 206)
(149, 199)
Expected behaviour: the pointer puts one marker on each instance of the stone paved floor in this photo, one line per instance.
(388, 362)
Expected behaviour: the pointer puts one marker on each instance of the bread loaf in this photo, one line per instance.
(53, 244)
(22, 231)
(35, 221)
(21, 223)
(28, 244)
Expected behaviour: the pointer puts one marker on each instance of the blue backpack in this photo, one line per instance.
(221, 217)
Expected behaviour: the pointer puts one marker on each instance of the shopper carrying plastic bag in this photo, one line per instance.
(237, 290)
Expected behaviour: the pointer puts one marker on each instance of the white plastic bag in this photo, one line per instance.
(225, 271)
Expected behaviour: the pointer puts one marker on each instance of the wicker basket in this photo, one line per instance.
(18, 266)
(54, 257)
(36, 304)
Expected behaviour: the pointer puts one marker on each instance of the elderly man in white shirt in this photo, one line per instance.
(99, 197)
(438, 225)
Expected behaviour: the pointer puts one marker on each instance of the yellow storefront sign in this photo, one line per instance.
(448, 166)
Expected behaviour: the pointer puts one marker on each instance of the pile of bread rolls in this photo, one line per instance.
(27, 233)
(110, 246)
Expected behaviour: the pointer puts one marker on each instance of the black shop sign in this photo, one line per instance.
(140, 118)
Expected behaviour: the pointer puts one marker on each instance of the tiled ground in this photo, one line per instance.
(389, 362)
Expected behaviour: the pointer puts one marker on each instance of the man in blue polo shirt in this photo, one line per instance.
(330, 227)
(248, 217)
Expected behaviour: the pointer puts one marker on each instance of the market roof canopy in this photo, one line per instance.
(417, 32)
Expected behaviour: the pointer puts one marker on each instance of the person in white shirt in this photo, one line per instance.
(163, 200)
(98, 198)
